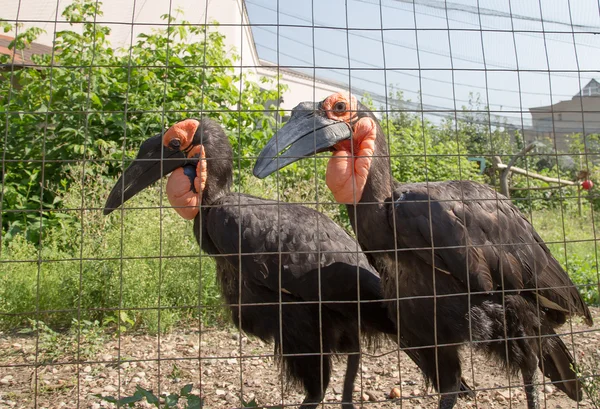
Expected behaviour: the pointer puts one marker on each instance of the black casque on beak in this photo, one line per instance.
(307, 133)
(144, 170)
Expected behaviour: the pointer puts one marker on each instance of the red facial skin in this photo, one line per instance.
(183, 131)
(348, 168)
(179, 192)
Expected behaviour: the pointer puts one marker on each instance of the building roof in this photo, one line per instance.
(22, 57)
(592, 89)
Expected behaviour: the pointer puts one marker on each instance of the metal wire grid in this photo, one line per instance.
(420, 109)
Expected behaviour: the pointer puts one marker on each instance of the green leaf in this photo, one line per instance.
(171, 400)
(194, 402)
(108, 399)
(251, 404)
(96, 100)
(150, 397)
(185, 391)
(130, 400)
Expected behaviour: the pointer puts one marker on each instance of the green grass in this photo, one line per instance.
(134, 271)
(571, 238)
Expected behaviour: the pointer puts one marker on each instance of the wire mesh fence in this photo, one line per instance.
(272, 203)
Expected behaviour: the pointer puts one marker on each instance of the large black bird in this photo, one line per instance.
(288, 273)
(463, 262)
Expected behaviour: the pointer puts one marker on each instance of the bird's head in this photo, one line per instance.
(340, 124)
(192, 150)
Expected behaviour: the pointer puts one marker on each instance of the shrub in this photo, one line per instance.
(91, 102)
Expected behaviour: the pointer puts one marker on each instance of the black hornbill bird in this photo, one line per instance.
(461, 259)
(281, 267)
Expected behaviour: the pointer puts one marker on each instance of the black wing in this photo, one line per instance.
(305, 243)
(480, 236)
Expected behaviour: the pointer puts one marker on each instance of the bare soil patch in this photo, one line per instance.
(224, 365)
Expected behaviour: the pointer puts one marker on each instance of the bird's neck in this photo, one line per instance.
(217, 186)
(378, 186)
(371, 210)
(209, 196)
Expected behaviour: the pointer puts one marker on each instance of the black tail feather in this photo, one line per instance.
(557, 364)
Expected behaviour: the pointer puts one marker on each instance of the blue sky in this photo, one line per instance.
(446, 49)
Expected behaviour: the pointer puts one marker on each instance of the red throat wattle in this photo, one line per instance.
(181, 196)
(347, 171)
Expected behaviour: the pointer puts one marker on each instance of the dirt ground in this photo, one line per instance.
(210, 360)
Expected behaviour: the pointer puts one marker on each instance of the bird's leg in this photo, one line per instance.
(314, 385)
(448, 400)
(448, 374)
(529, 373)
(311, 402)
(351, 371)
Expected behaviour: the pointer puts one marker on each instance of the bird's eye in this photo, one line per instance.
(339, 107)
(175, 144)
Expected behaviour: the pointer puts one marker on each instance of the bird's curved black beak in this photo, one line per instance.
(153, 161)
(308, 132)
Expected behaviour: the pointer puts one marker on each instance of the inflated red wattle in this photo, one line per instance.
(180, 190)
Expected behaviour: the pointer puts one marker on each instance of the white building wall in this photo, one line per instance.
(145, 16)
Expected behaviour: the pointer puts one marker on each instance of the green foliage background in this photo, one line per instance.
(73, 123)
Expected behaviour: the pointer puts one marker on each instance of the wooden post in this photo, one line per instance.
(579, 199)
(504, 188)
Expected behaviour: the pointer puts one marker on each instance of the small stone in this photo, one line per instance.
(140, 374)
(364, 397)
(17, 346)
(110, 388)
(499, 398)
(371, 396)
(220, 392)
(95, 405)
(96, 390)
(548, 389)
(87, 369)
(395, 393)
(135, 379)
(142, 365)
(416, 392)
(4, 381)
(235, 336)
(336, 390)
